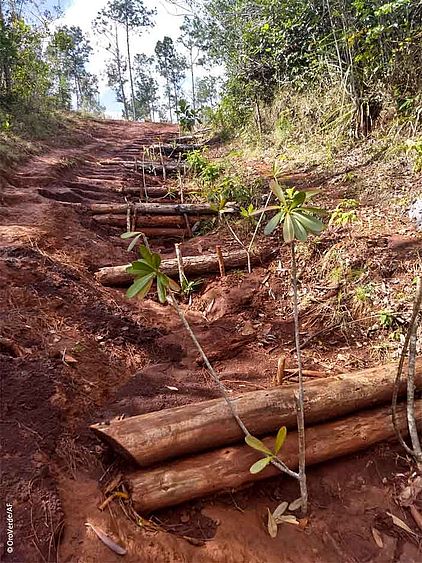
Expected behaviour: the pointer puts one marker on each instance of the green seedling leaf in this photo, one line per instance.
(130, 234)
(280, 439)
(257, 445)
(314, 210)
(141, 286)
(300, 231)
(271, 226)
(272, 525)
(146, 254)
(310, 223)
(281, 509)
(162, 285)
(298, 199)
(277, 191)
(261, 464)
(139, 268)
(288, 229)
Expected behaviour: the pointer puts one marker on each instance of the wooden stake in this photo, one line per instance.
(220, 259)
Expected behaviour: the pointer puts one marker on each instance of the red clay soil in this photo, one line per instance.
(73, 353)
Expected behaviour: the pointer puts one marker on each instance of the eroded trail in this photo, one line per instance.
(74, 352)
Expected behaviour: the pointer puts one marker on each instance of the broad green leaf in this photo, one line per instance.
(130, 234)
(257, 444)
(146, 254)
(162, 285)
(288, 229)
(300, 231)
(156, 260)
(260, 464)
(273, 223)
(309, 222)
(298, 199)
(133, 243)
(141, 286)
(277, 191)
(280, 439)
(139, 267)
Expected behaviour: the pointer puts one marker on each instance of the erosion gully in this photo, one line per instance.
(75, 352)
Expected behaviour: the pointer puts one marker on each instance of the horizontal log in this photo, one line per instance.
(192, 265)
(162, 232)
(147, 167)
(145, 220)
(228, 468)
(178, 431)
(152, 191)
(154, 208)
(172, 150)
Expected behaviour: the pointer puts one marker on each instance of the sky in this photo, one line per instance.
(82, 12)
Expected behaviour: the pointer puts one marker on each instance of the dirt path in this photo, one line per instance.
(73, 352)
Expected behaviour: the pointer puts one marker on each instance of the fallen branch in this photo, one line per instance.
(228, 468)
(156, 436)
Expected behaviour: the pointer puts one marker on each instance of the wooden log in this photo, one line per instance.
(155, 168)
(145, 220)
(152, 191)
(153, 437)
(172, 150)
(161, 232)
(193, 266)
(228, 468)
(154, 208)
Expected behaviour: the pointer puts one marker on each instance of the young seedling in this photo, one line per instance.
(298, 221)
(270, 456)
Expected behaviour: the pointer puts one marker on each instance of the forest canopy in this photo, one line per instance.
(369, 50)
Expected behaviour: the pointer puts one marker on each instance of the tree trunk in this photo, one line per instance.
(192, 77)
(152, 191)
(129, 62)
(178, 431)
(228, 468)
(119, 72)
(156, 221)
(154, 208)
(193, 266)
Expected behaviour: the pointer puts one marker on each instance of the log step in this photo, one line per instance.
(179, 431)
(155, 208)
(228, 468)
(193, 266)
(142, 221)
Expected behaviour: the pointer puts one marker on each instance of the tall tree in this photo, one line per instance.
(131, 15)
(171, 65)
(146, 87)
(191, 39)
(116, 67)
(69, 53)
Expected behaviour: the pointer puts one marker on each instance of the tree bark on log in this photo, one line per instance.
(193, 266)
(156, 436)
(141, 221)
(174, 150)
(228, 468)
(152, 191)
(148, 167)
(154, 208)
(158, 232)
